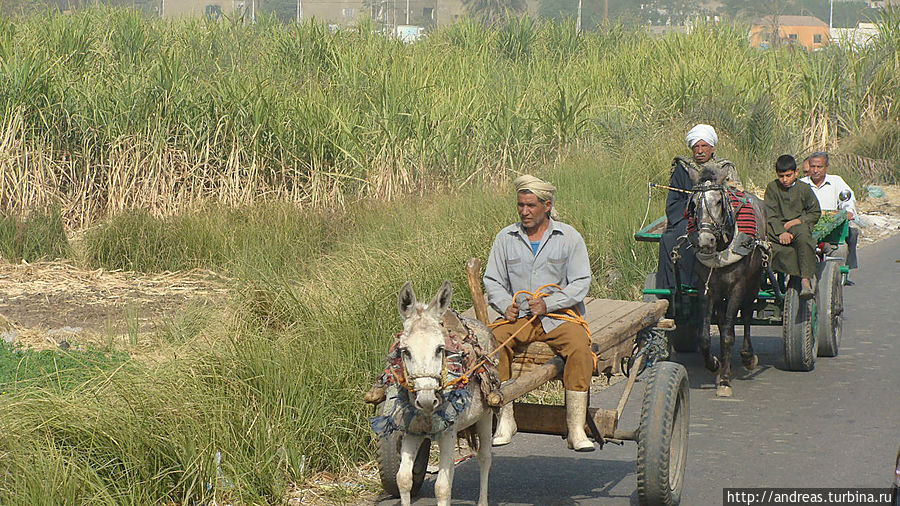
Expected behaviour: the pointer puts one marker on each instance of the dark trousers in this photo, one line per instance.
(852, 238)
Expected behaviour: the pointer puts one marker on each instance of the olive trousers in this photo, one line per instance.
(797, 258)
(569, 340)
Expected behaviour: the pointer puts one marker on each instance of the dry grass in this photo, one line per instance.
(359, 486)
(47, 302)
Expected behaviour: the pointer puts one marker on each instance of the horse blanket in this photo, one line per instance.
(462, 352)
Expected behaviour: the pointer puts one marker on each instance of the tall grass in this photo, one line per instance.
(277, 383)
(105, 111)
(36, 235)
(195, 142)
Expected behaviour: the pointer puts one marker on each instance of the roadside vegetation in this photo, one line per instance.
(320, 171)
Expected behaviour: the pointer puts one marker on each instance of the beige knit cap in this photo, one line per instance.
(541, 189)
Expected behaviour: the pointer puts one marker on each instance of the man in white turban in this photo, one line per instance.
(527, 256)
(701, 140)
(701, 132)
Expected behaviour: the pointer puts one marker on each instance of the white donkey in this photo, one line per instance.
(422, 349)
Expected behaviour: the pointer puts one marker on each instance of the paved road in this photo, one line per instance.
(836, 426)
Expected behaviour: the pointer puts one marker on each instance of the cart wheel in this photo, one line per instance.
(798, 329)
(662, 436)
(829, 308)
(389, 461)
(650, 283)
(686, 336)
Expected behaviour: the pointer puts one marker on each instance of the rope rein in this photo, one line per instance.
(569, 315)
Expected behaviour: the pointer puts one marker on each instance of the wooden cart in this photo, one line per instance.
(614, 324)
(809, 328)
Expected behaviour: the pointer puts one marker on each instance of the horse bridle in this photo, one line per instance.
(719, 230)
(408, 379)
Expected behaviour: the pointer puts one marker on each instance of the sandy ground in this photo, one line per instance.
(45, 303)
(880, 217)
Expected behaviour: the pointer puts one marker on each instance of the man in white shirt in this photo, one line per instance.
(828, 188)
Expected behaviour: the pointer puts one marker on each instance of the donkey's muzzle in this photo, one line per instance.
(427, 399)
(706, 242)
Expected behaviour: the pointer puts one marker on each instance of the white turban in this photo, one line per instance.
(701, 132)
(543, 190)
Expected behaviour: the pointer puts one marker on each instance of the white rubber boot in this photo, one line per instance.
(576, 417)
(506, 426)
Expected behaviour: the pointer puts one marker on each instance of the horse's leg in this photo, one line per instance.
(726, 342)
(712, 363)
(484, 454)
(444, 482)
(408, 450)
(748, 358)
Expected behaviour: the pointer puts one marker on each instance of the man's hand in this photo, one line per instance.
(512, 312)
(537, 306)
(785, 237)
(849, 216)
(788, 225)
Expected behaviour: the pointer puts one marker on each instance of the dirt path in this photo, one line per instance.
(44, 303)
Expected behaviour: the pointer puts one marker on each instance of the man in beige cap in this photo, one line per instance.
(536, 251)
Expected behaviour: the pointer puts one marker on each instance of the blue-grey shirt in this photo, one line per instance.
(561, 259)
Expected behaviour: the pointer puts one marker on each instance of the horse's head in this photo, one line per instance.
(422, 344)
(711, 211)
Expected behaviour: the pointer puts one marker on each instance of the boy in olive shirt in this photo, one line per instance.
(792, 210)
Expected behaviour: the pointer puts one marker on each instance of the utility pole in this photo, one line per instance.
(407, 12)
(579, 16)
(299, 11)
(830, 16)
(606, 11)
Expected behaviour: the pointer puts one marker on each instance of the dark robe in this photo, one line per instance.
(676, 226)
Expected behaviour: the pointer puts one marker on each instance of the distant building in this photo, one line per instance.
(807, 31)
(197, 8)
(861, 36)
(661, 30)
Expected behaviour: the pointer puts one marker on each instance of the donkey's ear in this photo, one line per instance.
(406, 301)
(441, 301)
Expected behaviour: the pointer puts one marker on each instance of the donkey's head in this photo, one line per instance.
(422, 344)
(711, 212)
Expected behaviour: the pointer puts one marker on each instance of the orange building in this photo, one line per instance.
(807, 31)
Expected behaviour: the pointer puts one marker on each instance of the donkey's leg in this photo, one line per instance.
(712, 363)
(484, 454)
(748, 358)
(408, 450)
(726, 342)
(444, 482)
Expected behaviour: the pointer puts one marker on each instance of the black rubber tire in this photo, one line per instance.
(662, 435)
(649, 284)
(829, 309)
(685, 337)
(797, 329)
(388, 459)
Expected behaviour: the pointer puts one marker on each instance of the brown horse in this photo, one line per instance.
(729, 266)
